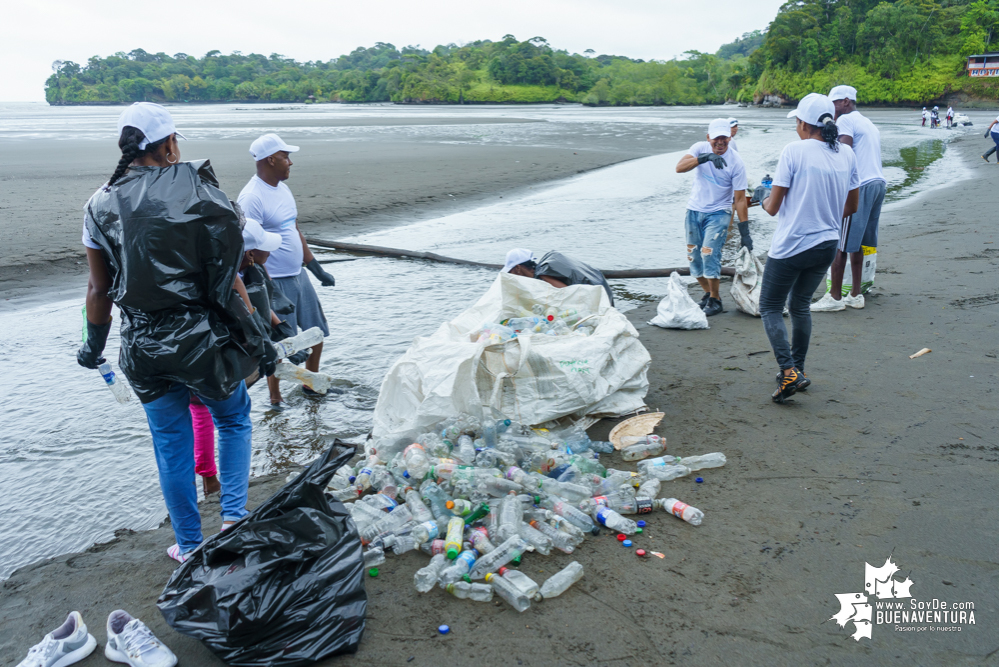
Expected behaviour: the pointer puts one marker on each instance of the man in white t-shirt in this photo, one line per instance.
(992, 132)
(269, 201)
(860, 229)
(926, 116)
(950, 117)
(720, 181)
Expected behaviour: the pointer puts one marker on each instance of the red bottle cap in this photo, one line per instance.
(621, 537)
(502, 571)
(640, 553)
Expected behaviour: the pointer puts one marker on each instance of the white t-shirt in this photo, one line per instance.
(995, 128)
(274, 208)
(817, 179)
(926, 114)
(87, 240)
(866, 145)
(713, 187)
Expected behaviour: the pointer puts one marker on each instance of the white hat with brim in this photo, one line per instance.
(843, 93)
(516, 257)
(153, 120)
(267, 145)
(719, 127)
(733, 122)
(255, 237)
(812, 108)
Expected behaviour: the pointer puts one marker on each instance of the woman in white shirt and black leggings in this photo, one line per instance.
(815, 188)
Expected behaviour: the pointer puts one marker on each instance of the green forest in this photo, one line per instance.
(907, 51)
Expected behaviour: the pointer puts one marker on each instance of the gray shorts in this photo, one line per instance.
(308, 312)
(861, 228)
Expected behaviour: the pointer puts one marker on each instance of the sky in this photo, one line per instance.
(42, 31)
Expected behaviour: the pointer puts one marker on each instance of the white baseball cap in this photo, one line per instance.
(517, 256)
(812, 108)
(732, 122)
(255, 237)
(153, 120)
(843, 93)
(719, 127)
(268, 145)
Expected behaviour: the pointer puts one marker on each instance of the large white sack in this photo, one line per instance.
(677, 310)
(748, 282)
(530, 379)
(866, 274)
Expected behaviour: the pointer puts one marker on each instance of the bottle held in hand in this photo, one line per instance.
(118, 388)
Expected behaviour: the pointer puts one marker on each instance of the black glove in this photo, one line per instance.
(282, 330)
(317, 270)
(987, 134)
(299, 357)
(760, 193)
(89, 354)
(268, 361)
(714, 158)
(747, 240)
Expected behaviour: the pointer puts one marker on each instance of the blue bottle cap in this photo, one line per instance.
(405, 473)
(641, 524)
(352, 479)
(626, 543)
(443, 629)
(699, 480)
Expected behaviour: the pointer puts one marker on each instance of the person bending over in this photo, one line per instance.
(556, 269)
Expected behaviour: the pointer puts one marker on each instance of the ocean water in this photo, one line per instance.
(76, 465)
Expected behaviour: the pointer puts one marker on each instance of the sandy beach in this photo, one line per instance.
(883, 455)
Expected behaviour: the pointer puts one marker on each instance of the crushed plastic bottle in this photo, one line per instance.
(479, 539)
(460, 566)
(426, 578)
(436, 498)
(653, 445)
(304, 340)
(538, 540)
(611, 519)
(471, 591)
(649, 488)
(562, 541)
(455, 530)
(511, 515)
(571, 514)
(119, 389)
(374, 557)
(512, 548)
(691, 515)
(465, 450)
(509, 592)
(317, 382)
(524, 583)
(560, 582)
(416, 505)
(417, 462)
(714, 460)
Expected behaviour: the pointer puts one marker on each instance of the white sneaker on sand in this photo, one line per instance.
(68, 644)
(854, 301)
(827, 304)
(131, 642)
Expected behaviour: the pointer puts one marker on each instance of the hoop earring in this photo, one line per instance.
(168, 159)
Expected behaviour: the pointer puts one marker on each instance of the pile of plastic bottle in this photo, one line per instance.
(539, 320)
(477, 497)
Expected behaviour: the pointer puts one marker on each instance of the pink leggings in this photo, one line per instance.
(204, 440)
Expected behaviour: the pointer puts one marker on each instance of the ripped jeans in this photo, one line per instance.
(706, 234)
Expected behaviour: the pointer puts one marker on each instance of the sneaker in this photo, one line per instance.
(713, 307)
(704, 300)
(803, 383)
(827, 304)
(68, 644)
(131, 642)
(854, 301)
(787, 385)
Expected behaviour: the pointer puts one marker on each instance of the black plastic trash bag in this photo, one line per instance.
(571, 271)
(284, 586)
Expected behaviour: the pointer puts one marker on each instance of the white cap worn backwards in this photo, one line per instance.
(719, 127)
(151, 119)
(843, 93)
(812, 108)
(517, 256)
(268, 145)
(732, 122)
(255, 237)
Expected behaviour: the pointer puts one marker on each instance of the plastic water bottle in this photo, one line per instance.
(364, 514)
(501, 555)
(436, 498)
(611, 519)
(303, 340)
(465, 450)
(416, 460)
(622, 503)
(342, 479)
(392, 522)
(317, 382)
(466, 591)
(524, 583)
(344, 495)
(663, 468)
(538, 540)
(560, 582)
(461, 566)
(455, 530)
(509, 592)
(691, 515)
(366, 473)
(374, 557)
(562, 541)
(117, 387)
(479, 539)
(571, 514)
(426, 577)
(572, 492)
(460, 506)
(415, 504)
(433, 548)
(511, 514)
(649, 488)
(653, 446)
(542, 515)
(715, 460)
(426, 531)
(379, 501)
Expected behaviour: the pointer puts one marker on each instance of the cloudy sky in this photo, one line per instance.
(41, 31)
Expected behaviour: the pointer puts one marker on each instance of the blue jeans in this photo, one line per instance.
(995, 139)
(169, 420)
(706, 234)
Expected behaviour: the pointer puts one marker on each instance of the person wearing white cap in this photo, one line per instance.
(733, 123)
(861, 228)
(720, 180)
(164, 244)
(935, 118)
(950, 117)
(926, 115)
(554, 268)
(814, 189)
(268, 199)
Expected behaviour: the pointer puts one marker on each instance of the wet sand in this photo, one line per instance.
(883, 455)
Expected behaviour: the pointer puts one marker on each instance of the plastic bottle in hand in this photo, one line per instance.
(559, 582)
(501, 555)
(461, 566)
(455, 531)
(714, 460)
(653, 446)
(611, 519)
(471, 591)
(303, 340)
(426, 577)
(317, 382)
(691, 515)
(118, 388)
(524, 583)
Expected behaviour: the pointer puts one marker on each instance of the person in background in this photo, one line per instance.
(992, 131)
(734, 124)
(268, 199)
(861, 228)
(720, 181)
(935, 118)
(554, 268)
(926, 115)
(814, 189)
(164, 245)
(950, 117)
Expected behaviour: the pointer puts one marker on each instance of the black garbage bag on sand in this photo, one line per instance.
(284, 586)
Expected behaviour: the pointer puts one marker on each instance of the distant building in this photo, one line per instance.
(984, 64)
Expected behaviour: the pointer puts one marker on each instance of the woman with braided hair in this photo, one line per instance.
(164, 244)
(815, 188)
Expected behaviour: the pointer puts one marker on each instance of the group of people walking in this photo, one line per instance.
(933, 116)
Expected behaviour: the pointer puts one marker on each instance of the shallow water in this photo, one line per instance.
(76, 465)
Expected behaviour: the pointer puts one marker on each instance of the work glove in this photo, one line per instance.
(987, 132)
(714, 158)
(747, 240)
(300, 357)
(89, 354)
(269, 359)
(317, 270)
(760, 193)
(283, 330)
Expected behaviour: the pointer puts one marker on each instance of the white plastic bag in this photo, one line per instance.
(531, 379)
(866, 274)
(677, 310)
(748, 282)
